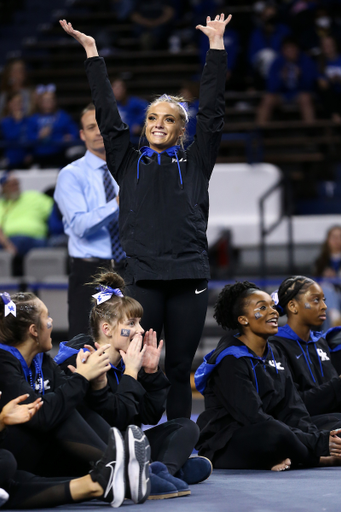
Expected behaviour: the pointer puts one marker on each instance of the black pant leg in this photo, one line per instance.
(262, 446)
(327, 421)
(173, 442)
(70, 448)
(151, 295)
(8, 466)
(80, 294)
(30, 491)
(186, 307)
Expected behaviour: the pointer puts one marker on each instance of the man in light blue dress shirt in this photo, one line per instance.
(81, 198)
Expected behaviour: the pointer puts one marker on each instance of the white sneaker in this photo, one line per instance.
(3, 496)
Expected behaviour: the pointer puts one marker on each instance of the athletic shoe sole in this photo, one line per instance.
(138, 451)
(117, 478)
(163, 496)
(3, 496)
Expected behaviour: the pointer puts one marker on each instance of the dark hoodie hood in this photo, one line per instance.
(72, 347)
(228, 345)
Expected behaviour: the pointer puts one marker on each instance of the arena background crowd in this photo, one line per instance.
(283, 107)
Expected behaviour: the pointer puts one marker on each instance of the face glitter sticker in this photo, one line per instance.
(125, 332)
(307, 305)
(258, 315)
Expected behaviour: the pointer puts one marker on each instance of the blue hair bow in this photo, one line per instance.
(10, 307)
(106, 293)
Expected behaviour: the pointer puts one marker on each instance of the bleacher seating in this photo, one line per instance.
(42, 263)
(5, 264)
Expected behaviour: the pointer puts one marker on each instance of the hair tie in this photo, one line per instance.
(182, 104)
(274, 297)
(106, 293)
(10, 307)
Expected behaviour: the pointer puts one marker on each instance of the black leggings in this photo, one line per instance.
(179, 307)
(31, 491)
(172, 442)
(69, 448)
(262, 446)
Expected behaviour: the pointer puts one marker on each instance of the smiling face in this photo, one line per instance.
(309, 307)
(260, 315)
(163, 125)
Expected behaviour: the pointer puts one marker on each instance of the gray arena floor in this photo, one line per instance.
(313, 490)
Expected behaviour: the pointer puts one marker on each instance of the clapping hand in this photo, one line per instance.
(133, 358)
(152, 354)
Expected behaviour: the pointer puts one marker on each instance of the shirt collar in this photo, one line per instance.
(94, 161)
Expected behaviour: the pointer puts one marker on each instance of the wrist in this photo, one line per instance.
(132, 373)
(151, 370)
(217, 43)
(91, 51)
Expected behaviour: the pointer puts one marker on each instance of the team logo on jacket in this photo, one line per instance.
(323, 355)
(276, 364)
(180, 160)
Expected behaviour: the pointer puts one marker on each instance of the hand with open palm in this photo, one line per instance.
(214, 30)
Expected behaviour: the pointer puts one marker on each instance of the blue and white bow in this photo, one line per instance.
(10, 307)
(106, 293)
(274, 297)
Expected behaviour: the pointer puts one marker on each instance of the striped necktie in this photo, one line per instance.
(117, 252)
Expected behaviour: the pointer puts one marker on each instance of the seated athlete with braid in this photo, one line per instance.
(254, 417)
(57, 428)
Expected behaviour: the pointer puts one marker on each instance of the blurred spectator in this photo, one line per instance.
(190, 93)
(329, 80)
(23, 216)
(50, 129)
(265, 42)
(328, 264)
(152, 20)
(291, 77)
(14, 134)
(14, 80)
(131, 108)
(310, 35)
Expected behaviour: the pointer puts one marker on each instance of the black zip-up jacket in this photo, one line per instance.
(62, 394)
(163, 222)
(243, 389)
(124, 401)
(314, 375)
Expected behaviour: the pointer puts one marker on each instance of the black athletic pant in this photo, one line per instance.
(173, 442)
(70, 448)
(329, 422)
(179, 307)
(262, 446)
(80, 294)
(29, 491)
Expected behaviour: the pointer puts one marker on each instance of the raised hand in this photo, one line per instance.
(134, 356)
(215, 29)
(101, 381)
(152, 354)
(92, 365)
(14, 414)
(88, 42)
